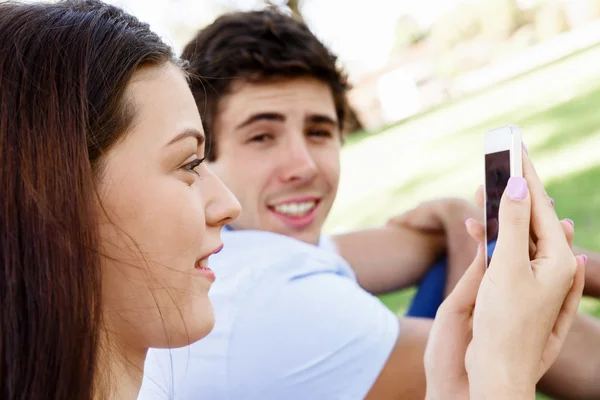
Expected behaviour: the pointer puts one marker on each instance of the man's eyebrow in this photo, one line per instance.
(321, 119)
(266, 116)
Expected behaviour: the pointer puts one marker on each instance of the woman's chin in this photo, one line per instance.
(198, 324)
(192, 324)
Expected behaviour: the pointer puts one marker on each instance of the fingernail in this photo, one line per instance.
(570, 221)
(551, 201)
(525, 148)
(585, 258)
(516, 188)
(468, 220)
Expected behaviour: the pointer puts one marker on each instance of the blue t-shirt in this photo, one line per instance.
(291, 323)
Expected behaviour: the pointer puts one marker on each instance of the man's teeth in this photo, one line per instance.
(295, 209)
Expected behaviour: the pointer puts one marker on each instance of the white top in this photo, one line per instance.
(291, 323)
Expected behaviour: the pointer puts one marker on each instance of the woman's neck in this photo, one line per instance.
(121, 371)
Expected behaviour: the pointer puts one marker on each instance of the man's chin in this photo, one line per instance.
(310, 236)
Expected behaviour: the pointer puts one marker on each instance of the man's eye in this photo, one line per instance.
(261, 138)
(320, 133)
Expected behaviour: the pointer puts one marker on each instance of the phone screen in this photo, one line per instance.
(497, 173)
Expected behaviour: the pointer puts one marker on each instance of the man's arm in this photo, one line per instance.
(389, 258)
(461, 248)
(592, 272)
(403, 376)
(398, 255)
(575, 374)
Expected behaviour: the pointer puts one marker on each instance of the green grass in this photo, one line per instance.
(438, 154)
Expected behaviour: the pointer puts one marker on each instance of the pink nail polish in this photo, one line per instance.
(516, 188)
(468, 220)
(525, 148)
(551, 201)
(585, 258)
(570, 221)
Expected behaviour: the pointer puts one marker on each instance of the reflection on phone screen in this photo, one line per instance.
(497, 173)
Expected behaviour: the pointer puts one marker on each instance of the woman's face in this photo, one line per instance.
(161, 215)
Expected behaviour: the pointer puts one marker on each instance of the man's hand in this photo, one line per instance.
(436, 216)
(398, 255)
(426, 217)
(445, 218)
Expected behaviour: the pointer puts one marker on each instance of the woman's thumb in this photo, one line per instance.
(514, 220)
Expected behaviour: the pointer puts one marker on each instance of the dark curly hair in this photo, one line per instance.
(256, 46)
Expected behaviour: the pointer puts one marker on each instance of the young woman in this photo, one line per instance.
(107, 213)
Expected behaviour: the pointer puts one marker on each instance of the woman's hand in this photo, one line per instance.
(520, 309)
(527, 301)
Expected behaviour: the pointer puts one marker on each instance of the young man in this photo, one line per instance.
(296, 315)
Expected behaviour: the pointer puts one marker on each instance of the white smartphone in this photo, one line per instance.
(503, 158)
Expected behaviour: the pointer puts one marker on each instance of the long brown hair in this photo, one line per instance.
(63, 72)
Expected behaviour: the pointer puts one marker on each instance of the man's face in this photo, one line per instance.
(278, 152)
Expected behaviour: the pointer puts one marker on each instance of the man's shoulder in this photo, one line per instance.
(305, 294)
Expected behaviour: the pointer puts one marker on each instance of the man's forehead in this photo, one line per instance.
(300, 97)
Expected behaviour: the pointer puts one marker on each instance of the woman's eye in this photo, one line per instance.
(191, 166)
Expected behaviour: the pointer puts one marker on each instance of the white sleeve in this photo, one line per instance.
(309, 335)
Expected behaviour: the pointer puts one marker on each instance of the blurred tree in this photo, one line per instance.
(408, 32)
(580, 12)
(456, 38)
(498, 19)
(550, 19)
(490, 19)
(185, 17)
(292, 6)
(458, 25)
